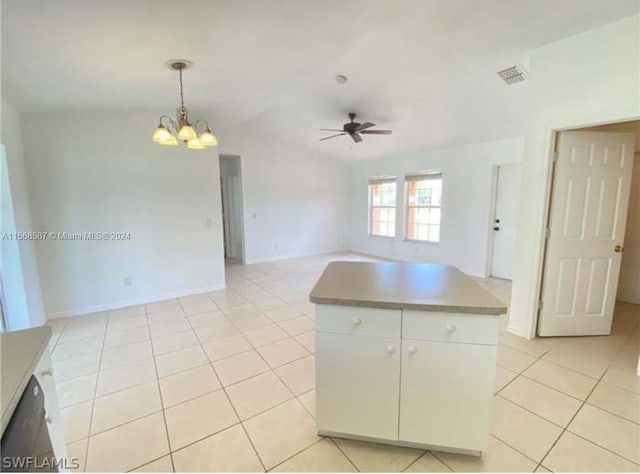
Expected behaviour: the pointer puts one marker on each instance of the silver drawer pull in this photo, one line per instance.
(413, 349)
(391, 348)
(48, 419)
(46, 372)
(451, 327)
(357, 321)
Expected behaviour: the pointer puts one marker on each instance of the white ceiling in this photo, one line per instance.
(425, 68)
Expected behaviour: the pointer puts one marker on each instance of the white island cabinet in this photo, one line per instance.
(405, 355)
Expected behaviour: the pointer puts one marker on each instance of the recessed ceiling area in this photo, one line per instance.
(424, 68)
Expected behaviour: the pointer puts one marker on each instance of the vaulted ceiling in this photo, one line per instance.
(425, 68)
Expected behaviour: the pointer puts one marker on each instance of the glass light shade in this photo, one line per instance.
(187, 133)
(171, 140)
(208, 138)
(195, 144)
(161, 134)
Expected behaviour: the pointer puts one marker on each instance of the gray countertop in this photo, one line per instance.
(414, 286)
(20, 351)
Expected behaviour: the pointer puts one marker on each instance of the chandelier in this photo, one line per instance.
(169, 131)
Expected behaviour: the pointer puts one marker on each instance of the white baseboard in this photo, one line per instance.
(133, 302)
(288, 257)
(518, 332)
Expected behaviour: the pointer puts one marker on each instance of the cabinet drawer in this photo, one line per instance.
(358, 321)
(450, 327)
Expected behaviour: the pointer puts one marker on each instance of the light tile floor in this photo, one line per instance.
(224, 381)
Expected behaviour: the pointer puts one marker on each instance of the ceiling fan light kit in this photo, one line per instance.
(169, 131)
(354, 130)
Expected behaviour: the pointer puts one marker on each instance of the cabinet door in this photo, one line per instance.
(357, 385)
(446, 393)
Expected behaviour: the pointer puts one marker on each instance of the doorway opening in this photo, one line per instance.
(504, 220)
(592, 240)
(232, 208)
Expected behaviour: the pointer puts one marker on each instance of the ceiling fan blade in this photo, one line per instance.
(331, 130)
(362, 126)
(333, 136)
(376, 132)
(356, 138)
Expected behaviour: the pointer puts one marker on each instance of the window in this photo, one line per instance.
(424, 206)
(382, 207)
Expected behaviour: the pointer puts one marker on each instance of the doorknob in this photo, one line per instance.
(618, 249)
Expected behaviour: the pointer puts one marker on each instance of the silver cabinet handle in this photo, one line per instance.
(413, 349)
(451, 327)
(46, 372)
(357, 321)
(391, 348)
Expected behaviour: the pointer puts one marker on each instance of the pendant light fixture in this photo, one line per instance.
(169, 131)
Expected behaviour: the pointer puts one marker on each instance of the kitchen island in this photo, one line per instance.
(405, 355)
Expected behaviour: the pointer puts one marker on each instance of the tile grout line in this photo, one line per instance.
(95, 393)
(435, 455)
(569, 423)
(164, 415)
(295, 454)
(518, 374)
(215, 373)
(287, 387)
(335, 443)
(586, 401)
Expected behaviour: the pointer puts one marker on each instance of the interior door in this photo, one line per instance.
(357, 384)
(505, 220)
(589, 201)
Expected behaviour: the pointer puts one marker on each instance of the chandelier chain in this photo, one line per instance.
(181, 90)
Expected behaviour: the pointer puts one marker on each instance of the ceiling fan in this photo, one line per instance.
(354, 130)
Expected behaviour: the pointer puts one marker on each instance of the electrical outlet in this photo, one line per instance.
(127, 281)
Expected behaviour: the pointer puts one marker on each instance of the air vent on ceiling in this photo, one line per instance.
(513, 74)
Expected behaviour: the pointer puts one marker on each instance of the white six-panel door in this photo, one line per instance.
(587, 221)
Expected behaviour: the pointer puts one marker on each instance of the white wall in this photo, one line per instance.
(21, 284)
(100, 172)
(296, 201)
(467, 187)
(587, 79)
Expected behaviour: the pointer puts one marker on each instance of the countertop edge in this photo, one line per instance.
(492, 311)
(8, 410)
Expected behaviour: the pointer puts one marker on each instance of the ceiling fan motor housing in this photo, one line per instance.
(350, 127)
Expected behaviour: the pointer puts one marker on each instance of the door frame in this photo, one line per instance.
(492, 212)
(549, 174)
(241, 223)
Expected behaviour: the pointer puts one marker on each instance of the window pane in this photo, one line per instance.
(427, 192)
(424, 201)
(382, 209)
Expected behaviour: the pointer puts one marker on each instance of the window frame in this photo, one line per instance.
(382, 180)
(422, 176)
